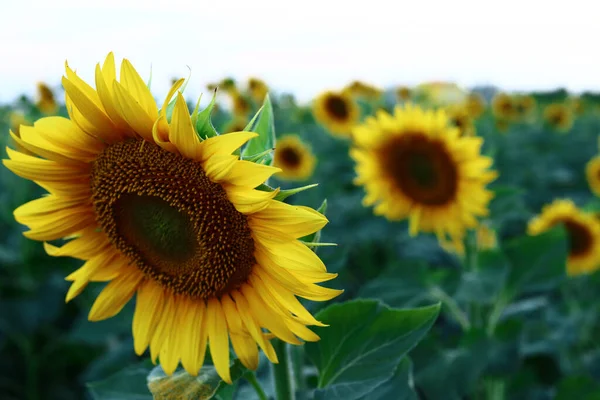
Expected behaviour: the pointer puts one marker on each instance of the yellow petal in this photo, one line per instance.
(194, 337)
(44, 206)
(160, 134)
(217, 167)
(65, 134)
(60, 225)
(267, 316)
(34, 168)
(296, 221)
(249, 201)
(218, 339)
(92, 112)
(243, 344)
(115, 295)
(46, 153)
(225, 144)
(90, 243)
(249, 174)
(253, 327)
(148, 313)
(106, 97)
(132, 112)
(181, 132)
(135, 85)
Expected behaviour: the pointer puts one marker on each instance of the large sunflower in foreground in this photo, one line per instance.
(173, 219)
(583, 231)
(592, 172)
(337, 111)
(415, 165)
(294, 157)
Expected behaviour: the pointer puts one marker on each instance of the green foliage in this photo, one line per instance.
(364, 346)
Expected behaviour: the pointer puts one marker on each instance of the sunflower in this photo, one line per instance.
(583, 231)
(415, 165)
(46, 102)
(559, 116)
(593, 174)
(363, 90)
(403, 93)
(524, 107)
(241, 105)
(157, 212)
(337, 111)
(475, 105)
(486, 240)
(460, 118)
(235, 125)
(258, 89)
(294, 157)
(16, 120)
(503, 107)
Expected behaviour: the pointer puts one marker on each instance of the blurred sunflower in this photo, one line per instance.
(235, 125)
(258, 89)
(16, 120)
(294, 157)
(524, 107)
(158, 213)
(363, 90)
(486, 240)
(475, 105)
(337, 111)
(503, 107)
(460, 118)
(45, 99)
(559, 116)
(241, 105)
(583, 230)
(577, 105)
(403, 93)
(414, 165)
(593, 174)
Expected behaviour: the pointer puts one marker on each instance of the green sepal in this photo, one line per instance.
(260, 157)
(263, 124)
(202, 121)
(284, 194)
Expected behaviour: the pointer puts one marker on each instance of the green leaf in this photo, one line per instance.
(182, 385)
(363, 344)
(398, 387)
(537, 262)
(202, 120)
(483, 285)
(264, 125)
(128, 384)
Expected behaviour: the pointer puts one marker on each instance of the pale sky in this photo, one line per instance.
(308, 46)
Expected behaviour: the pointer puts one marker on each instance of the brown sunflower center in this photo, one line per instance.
(421, 168)
(580, 239)
(337, 107)
(162, 212)
(290, 157)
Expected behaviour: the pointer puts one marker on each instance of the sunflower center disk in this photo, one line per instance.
(421, 169)
(290, 157)
(580, 240)
(337, 107)
(162, 212)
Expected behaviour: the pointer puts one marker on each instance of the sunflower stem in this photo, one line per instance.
(251, 378)
(471, 266)
(283, 373)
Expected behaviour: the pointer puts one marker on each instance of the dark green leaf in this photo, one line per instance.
(363, 344)
(128, 384)
(537, 262)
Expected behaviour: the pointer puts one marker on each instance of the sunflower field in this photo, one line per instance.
(429, 242)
